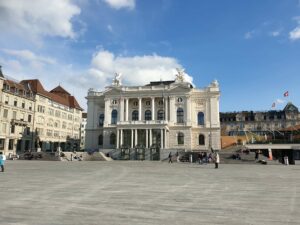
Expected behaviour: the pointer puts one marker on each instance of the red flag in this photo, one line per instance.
(273, 105)
(286, 94)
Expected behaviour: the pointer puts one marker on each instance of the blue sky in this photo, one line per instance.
(251, 47)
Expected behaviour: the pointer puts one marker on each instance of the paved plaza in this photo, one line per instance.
(70, 193)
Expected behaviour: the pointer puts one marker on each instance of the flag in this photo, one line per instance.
(286, 94)
(273, 105)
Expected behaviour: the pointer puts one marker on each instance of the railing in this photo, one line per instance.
(139, 122)
(19, 122)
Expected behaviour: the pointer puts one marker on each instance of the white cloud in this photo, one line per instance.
(275, 33)
(280, 101)
(35, 61)
(136, 70)
(118, 4)
(109, 28)
(249, 34)
(37, 18)
(295, 34)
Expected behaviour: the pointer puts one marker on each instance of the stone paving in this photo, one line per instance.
(70, 193)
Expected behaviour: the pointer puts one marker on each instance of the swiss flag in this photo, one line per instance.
(286, 94)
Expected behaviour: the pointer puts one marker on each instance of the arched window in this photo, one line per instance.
(160, 115)
(100, 139)
(101, 119)
(114, 116)
(200, 118)
(147, 115)
(180, 115)
(135, 115)
(201, 139)
(112, 139)
(180, 138)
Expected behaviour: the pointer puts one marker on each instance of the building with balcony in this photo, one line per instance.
(35, 119)
(16, 116)
(172, 115)
(270, 122)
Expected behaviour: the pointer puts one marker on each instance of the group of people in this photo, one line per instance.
(2, 161)
(203, 157)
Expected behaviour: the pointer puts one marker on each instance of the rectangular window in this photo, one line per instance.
(5, 113)
(11, 144)
(15, 102)
(41, 109)
(6, 100)
(12, 129)
(29, 118)
(30, 106)
(2, 141)
(14, 115)
(23, 105)
(3, 127)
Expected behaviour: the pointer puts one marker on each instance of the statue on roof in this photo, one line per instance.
(180, 75)
(117, 79)
(215, 83)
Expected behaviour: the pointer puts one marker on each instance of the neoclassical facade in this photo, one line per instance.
(170, 114)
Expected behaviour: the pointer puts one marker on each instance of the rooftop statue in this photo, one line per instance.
(215, 83)
(117, 79)
(180, 75)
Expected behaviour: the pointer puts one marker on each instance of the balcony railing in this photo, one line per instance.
(19, 122)
(140, 122)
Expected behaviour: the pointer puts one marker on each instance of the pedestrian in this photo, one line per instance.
(256, 155)
(177, 156)
(217, 160)
(170, 157)
(2, 161)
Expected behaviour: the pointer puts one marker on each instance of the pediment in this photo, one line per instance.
(112, 91)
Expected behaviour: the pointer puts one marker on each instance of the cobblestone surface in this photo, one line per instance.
(35, 192)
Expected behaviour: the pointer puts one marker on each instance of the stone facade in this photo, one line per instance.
(35, 119)
(168, 114)
(268, 122)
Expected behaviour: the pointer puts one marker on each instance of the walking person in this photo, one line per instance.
(217, 160)
(177, 156)
(256, 155)
(2, 161)
(170, 157)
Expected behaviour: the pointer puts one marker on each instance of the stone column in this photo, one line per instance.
(166, 109)
(162, 138)
(147, 138)
(150, 137)
(127, 108)
(172, 110)
(165, 139)
(135, 137)
(117, 138)
(121, 137)
(153, 108)
(121, 110)
(140, 109)
(132, 134)
(188, 109)
(107, 112)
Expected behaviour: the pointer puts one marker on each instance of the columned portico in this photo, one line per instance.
(172, 123)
